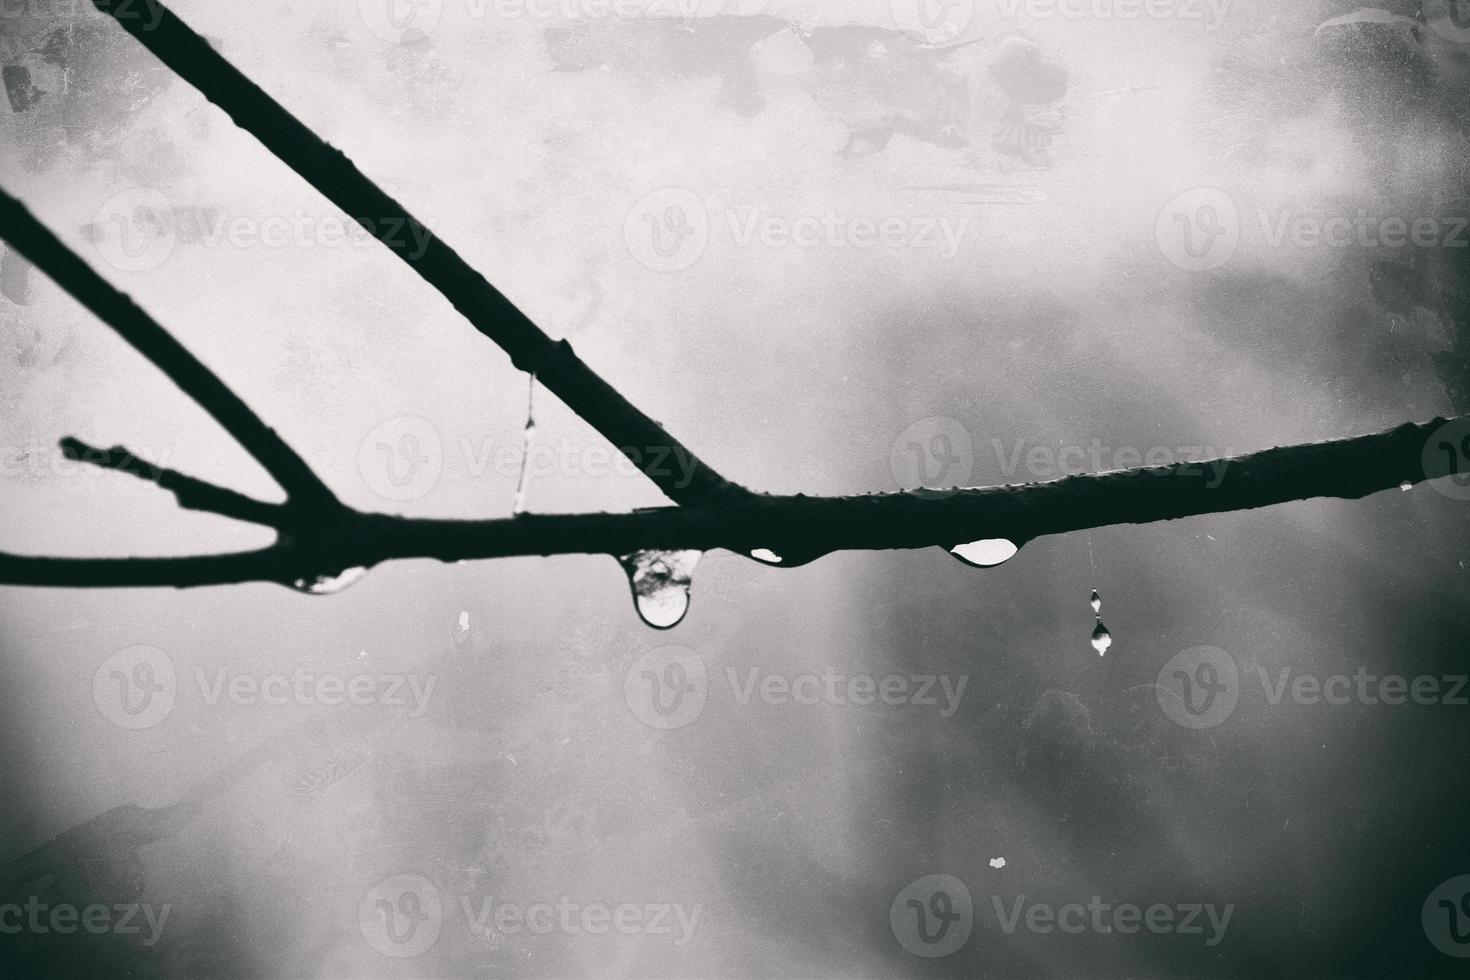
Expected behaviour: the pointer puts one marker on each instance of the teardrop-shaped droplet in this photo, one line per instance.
(985, 554)
(1096, 602)
(1101, 639)
(329, 584)
(765, 556)
(660, 581)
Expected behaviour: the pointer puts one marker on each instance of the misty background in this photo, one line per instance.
(532, 146)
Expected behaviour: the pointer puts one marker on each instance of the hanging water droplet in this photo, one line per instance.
(1096, 602)
(329, 584)
(660, 581)
(766, 556)
(1101, 639)
(985, 554)
(1406, 486)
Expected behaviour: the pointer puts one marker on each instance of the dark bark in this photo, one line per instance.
(800, 528)
(554, 363)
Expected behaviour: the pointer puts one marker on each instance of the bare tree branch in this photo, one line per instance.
(191, 493)
(800, 527)
(329, 170)
(265, 565)
(327, 539)
(129, 321)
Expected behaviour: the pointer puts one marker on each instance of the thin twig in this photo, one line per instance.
(114, 308)
(191, 492)
(329, 170)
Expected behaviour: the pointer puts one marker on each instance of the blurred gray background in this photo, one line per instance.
(1126, 191)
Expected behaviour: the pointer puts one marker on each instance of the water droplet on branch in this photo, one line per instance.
(1406, 486)
(329, 584)
(766, 556)
(1101, 638)
(1096, 602)
(985, 554)
(660, 581)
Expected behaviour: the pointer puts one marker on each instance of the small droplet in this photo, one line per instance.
(1406, 486)
(766, 555)
(661, 581)
(1096, 602)
(1101, 639)
(985, 554)
(329, 584)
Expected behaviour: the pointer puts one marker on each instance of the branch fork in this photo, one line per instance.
(318, 538)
